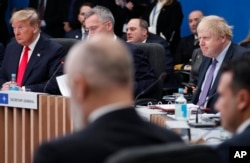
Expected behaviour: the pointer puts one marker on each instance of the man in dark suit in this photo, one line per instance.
(189, 43)
(137, 32)
(100, 20)
(215, 41)
(52, 15)
(81, 32)
(100, 75)
(33, 57)
(234, 105)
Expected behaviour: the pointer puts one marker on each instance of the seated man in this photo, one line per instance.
(234, 105)
(189, 43)
(80, 33)
(215, 37)
(137, 32)
(34, 59)
(100, 20)
(100, 77)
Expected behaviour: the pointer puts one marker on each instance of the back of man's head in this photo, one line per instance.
(100, 72)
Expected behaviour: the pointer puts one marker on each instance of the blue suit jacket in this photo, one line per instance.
(152, 38)
(44, 65)
(233, 51)
(237, 140)
(76, 34)
(144, 73)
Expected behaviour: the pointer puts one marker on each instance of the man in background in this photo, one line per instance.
(215, 37)
(80, 33)
(137, 32)
(34, 59)
(100, 20)
(189, 43)
(100, 77)
(234, 105)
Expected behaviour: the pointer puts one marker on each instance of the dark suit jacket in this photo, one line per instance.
(168, 22)
(185, 50)
(233, 51)
(55, 14)
(108, 134)
(76, 34)
(1, 53)
(42, 65)
(144, 73)
(237, 140)
(152, 38)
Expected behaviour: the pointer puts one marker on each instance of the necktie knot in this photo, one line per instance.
(26, 48)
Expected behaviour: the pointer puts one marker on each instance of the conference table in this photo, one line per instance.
(28, 119)
(206, 135)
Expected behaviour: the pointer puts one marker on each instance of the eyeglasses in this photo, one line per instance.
(94, 28)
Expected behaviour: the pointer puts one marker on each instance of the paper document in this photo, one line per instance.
(62, 83)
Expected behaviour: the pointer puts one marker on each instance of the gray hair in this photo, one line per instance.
(103, 13)
(216, 25)
(103, 62)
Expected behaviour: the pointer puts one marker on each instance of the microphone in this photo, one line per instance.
(161, 77)
(53, 75)
(207, 124)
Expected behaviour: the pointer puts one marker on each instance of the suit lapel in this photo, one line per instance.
(34, 58)
(16, 59)
(228, 56)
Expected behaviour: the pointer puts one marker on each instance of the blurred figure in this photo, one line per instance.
(215, 37)
(52, 14)
(100, 20)
(137, 32)
(4, 32)
(72, 22)
(246, 42)
(189, 43)
(165, 18)
(1, 53)
(31, 56)
(101, 68)
(234, 105)
(81, 32)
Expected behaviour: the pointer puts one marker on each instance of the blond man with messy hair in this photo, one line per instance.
(215, 37)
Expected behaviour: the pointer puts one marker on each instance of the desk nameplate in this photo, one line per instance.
(19, 99)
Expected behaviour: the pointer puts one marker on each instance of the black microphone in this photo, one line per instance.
(53, 75)
(161, 77)
(207, 124)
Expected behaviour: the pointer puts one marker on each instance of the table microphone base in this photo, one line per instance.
(203, 124)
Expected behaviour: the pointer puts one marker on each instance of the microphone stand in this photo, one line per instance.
(207, 124)
(52, 76)
(161, 77)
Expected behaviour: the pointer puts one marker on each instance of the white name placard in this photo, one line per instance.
(19, 99)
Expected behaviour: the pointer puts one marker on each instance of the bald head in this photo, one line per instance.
(193, 20)
(100, 73)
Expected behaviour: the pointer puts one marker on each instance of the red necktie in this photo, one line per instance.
(22, 66)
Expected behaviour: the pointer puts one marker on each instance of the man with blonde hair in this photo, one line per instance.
(215, 37)
(31, 56)
(100, 77)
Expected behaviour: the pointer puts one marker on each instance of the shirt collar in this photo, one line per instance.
(243, 126)
(222, 54)
(33, 44)
(105, 110)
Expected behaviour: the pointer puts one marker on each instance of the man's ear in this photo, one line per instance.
(79, 88)
(243, 99)
(109, 25)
